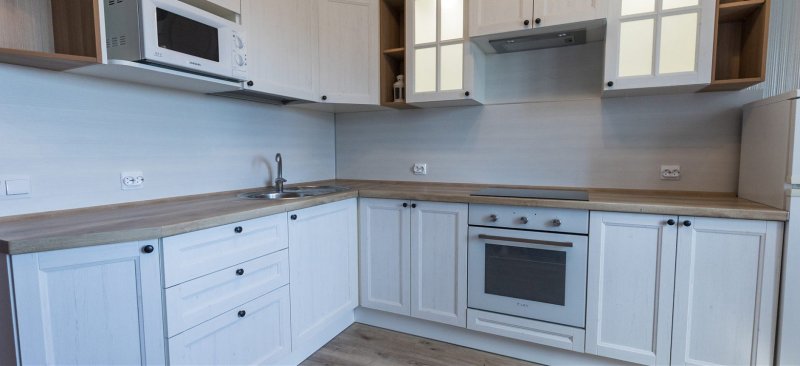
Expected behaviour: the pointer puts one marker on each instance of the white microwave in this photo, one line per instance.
(174, 34)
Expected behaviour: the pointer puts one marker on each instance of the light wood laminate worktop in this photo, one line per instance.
(166, 217)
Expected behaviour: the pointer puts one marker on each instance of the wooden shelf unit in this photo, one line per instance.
(393, 57)
(740, 44)
(58, 34)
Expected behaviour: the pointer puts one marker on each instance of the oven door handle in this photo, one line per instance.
(527, 241)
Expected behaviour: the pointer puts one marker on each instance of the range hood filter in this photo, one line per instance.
(539, 41)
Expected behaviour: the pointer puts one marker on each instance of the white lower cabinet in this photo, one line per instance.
(414, 258)
(97, 305)
(323, 262)
(254, 333)
(725, 277)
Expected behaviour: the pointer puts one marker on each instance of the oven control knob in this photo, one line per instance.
(493, 218)
(238, 42)
(239, 60)
(556, 222)
(523, 219)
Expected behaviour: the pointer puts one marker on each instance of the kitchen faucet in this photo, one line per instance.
(279, 180)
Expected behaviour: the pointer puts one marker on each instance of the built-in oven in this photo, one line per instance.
(529, 262)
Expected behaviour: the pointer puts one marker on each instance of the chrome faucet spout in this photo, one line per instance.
(279, 180)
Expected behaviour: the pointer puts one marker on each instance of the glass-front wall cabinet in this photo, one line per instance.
(438, 51)
(659, 43)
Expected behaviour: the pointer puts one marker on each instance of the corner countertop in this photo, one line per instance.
(166, 217)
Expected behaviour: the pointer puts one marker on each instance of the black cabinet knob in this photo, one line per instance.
(413, 205)
(466, 93)
(324, 97)
(293, 217)
(405, 204)
(239, 272)
(687, 223)
(538, 21)
(238, 229)
(242, 313)
(610, 84)
(148, 249)
(670, 222)
(250, 83)
(527, 22)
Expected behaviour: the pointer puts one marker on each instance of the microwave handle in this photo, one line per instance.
(527, 241)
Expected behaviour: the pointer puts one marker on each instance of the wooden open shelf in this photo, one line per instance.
(740, 47)
(393, 52)
(66, 35)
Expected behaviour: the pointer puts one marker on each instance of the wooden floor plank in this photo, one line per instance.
(363, 345)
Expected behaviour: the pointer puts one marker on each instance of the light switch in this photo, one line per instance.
(16, 187)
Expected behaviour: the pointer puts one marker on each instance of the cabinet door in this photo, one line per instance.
(659, 43)
(630, 286)
(255, 333)
(385, 248)
(282, 47)
(92, 306)
(348, 51)
(556, 12)
(499, 16)
(726, 287)
(323, 266)
(439, 262)
(441, 60)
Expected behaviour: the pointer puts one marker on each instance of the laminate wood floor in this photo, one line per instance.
(363, 345)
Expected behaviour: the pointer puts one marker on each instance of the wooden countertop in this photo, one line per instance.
(166, 217)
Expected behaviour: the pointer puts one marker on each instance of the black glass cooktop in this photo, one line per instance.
(549, 194)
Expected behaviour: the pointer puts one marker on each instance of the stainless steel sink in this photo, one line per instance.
(292, 192)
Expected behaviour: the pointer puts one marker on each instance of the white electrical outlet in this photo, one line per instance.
(670, 172)
(420, 169)
(131, 180)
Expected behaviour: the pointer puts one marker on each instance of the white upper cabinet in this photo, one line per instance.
(348, 51)
(282, 47)
(659, 44)
(726, 289)
(630, 284)
(99, 305)
(501, 16)
(324, 51)
(441, 62)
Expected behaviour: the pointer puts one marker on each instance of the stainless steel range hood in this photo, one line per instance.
(539, 41)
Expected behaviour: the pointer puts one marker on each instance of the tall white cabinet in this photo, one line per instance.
(659, 44)
(725, 278)
(90, 306)
(324, 51)
(414, 258)
(443, 66)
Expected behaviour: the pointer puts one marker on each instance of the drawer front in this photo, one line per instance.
(528, 330)
(561, 220)
(259, 337)
(201, 299)
(191, 255)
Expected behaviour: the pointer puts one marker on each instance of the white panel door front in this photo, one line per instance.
(439, 262)
(555, 12)
(499, 16)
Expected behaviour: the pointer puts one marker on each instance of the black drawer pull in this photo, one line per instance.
(239, 272)
(238, 229)
(242, 313)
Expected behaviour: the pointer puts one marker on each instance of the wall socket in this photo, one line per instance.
(131, 180)
(670, 172)
(420, 169)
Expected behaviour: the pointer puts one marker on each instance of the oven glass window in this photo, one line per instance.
(526, 273)
(187, 36)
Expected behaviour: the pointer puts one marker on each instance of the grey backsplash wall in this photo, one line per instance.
(74, 135)
(581, 140)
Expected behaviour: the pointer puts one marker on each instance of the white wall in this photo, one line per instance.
(568, 136)
(74, 135)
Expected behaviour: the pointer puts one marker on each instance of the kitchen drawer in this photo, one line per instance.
(201, 299)
(561, 220)
(191, 255)
(256, 333)
(533, 331)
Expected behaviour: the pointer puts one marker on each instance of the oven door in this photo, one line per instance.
(530, 274)
(179, 35)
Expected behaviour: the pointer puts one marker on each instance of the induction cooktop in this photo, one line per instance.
(549, 194)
